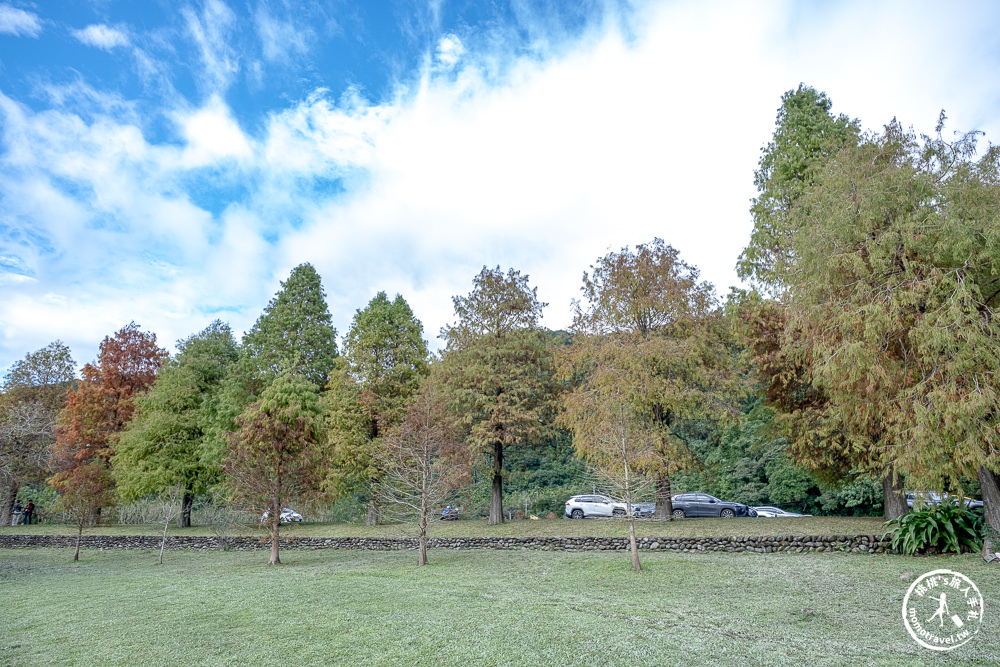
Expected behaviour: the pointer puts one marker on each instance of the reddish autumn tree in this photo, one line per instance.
(98, 410)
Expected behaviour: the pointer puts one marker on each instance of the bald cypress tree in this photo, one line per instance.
(498, 368)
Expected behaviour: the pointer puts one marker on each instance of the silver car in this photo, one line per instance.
(768, 511)
(593, 505)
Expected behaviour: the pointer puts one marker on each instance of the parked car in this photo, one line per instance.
(768, 511)
(643, 510)
(287, 516)
(934, 498)
(593, 505)
(702, 504)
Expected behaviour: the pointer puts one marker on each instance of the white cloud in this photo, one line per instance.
(102, 37)
(212, 135)
(17, 22)
(541, 163)
(450, 50)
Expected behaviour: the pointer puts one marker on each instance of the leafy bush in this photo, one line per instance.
(940, 528)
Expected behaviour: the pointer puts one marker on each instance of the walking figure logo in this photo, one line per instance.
(931, 591)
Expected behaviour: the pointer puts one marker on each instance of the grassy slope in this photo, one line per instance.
(559, 527)
(472, 607)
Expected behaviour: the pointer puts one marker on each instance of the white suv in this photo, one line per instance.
(581, 507)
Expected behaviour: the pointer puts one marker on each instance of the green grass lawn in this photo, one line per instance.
(470, 607)
(542, 528)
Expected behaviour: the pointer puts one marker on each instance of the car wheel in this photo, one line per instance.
(618, 513)
(577, 514)
(727, 513)
(679, 514)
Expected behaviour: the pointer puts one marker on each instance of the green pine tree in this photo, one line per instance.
(385, 357)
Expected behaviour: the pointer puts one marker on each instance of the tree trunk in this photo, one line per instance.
(163, 541)
(664, 507)
(496, 499)
(633, 545)
(989, 484)
(275, 523)
(7, 511)
(371, 517)
(184, 520)
(422, 556)
(79, 535)
(894, 498)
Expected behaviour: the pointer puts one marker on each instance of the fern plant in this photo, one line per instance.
(946, 527)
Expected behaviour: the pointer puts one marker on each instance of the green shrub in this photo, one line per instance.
(942, 528)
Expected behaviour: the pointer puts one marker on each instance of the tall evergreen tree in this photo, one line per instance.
(895, 297)
(165, 443)
(499, 369)
(795, 166)
(294, 333)
(806, 135)
(385, 357)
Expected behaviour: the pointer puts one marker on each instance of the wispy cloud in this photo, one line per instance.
(281, 40)
(14, 21)
(103, 37)
(211, 30)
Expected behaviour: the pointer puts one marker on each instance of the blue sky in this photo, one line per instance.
(170, 162)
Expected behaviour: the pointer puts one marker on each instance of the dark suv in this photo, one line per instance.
(702, 504)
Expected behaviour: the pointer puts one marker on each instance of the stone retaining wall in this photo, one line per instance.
(760, 544)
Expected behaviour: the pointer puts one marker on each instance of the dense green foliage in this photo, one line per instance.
(385, 357)
(942, 528)
(166, 442)
(293, 333)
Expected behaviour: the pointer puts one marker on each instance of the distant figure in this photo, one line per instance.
(942, 610)
(15, 515)
(29, 511)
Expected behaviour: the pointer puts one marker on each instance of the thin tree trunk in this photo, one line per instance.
(894, 498)
(184, 520)
(371, 517)
(79, 535)
(664, 506)
(422, 556)
(7, 513)
(496, 498)
(275, 523)
(633, 545)
(989, 484)
(163, 541)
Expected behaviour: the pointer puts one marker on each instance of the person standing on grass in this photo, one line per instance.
(16, 513)
(29, 510)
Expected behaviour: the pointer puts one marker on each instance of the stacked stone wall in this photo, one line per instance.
(757, 544)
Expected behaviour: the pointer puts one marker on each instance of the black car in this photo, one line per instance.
(702, 504)
(643, 510)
